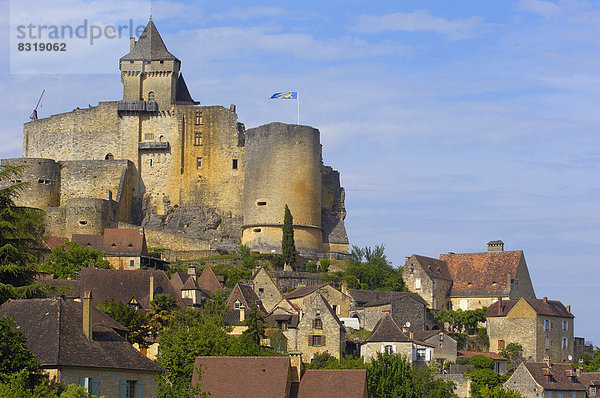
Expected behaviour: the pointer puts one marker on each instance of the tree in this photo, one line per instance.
(483, 375)
(390, 376)
(162, 312)
(288, 247)
(14, 355)
(191, 333)
(461, 321)
(21, 232)
(514, 353)
(65, 261)
(368, 268)
(498, 392)
(126, 315)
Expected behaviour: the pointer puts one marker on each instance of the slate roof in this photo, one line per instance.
(481, 273)
(540, 306)
(182, 95)
(54, 331)
(149, 47)
(303, 291)
(243, 376)
(423, 335)
(347, 383)
(386, 329)
(560, 374)
(123, 285)
(178, 279)
(589, 378)
(434, 267)
(248, 296)
(208, 281)
(190, 284)
(469, 354)
(115, 240)
(373, 298)
(70, 288)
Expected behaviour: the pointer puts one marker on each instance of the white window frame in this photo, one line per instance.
(418, 283)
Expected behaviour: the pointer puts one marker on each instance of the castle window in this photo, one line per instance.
(198, 119)
(197, 138)
(150, 162)
(109, 156)
(162, 62)
(565, 325)
(235, 164)
(151, 96)
(161, 138)
(83, 222)
(565, 342)
(261, 203)
(261, 292)
(131, 263)
(256, 230)
(198, 163)
(237, 304)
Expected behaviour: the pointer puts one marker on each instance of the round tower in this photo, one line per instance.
(283, 166)
(43, 182)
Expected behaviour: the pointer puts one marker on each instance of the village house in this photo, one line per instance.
(591, 380)
(274, 377)
(445, 346)
(388, 338)
(241, 299)
(284, 316)
(546, 380)
(77, 344)
(303, 296)
(266, 289)
(543, 327)
(430, 278)
(196, 289)
(499, 360)
(478, 279)
(408, 309)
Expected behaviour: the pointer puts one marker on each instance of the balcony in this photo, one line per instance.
(153, 146)
(137, 106)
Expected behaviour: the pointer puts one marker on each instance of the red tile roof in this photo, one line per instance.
(259, 377)
(561, 376)
(115, 240)
(347, 383)
(482, 273)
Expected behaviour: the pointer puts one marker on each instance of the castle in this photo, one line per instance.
(191, 175)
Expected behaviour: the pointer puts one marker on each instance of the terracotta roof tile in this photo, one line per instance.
(55, 335)
(482, 273)
(560, 375)
(243, 376)
(347, 383)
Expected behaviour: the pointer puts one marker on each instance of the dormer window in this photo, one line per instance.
(151, 96)
(237, 304)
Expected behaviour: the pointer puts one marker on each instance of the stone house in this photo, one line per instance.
(266, 289)
(77, 344)
(318, 331)
(546, 380)
(388, 338)
(430, 278)
(241, 299)
(195, 290)
(274, 377)
(445, 346)
(133, 287)
(478, 279)
(591, 380)
(407, 309)
(543, 327)
(499, 360)
(303, 296)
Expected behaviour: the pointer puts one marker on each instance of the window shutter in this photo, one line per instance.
(140, 385)
(122, 388)
(394, 348)
(95, 387)
(383, 348)
(323, 341)
(310, 341)
(82, 381)
(414, 354)
(427, 354)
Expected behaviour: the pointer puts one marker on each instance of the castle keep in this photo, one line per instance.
(192, 175)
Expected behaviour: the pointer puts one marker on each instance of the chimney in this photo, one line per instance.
(242, 313)
(344, 288)
(546, 300)
(296, 365)
(131, 43)
(412, 335)
(232, 108)
(578, 371)
(192, 272)
(500, 305)
(495, 246)
(547, 361)
(569, 308)
(151, 287)
(87, 314)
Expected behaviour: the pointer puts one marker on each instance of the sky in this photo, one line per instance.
(451, 123)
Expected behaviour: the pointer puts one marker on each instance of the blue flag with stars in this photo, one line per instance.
(287, 95)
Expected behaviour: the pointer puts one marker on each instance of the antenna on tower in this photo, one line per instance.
(34, 115)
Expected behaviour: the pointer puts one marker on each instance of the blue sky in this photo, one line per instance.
(452, 123)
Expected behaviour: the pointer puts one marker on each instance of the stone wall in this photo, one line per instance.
(334, 333)
(369, 350)
(266, 290)
(445, 346)
(433, 290)
(287, 281)
(42, 178)
(333, 212)
(462, 384)
(522, 382)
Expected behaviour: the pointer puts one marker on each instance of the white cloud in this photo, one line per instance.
(422, 21)
(540, 7)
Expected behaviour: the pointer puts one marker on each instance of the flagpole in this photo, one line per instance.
(298, 103)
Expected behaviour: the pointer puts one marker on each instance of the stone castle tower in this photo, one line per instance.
(192, 175)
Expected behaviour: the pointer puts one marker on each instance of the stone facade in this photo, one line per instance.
(314, 337)
(339, 302)
(110, 381)
(266, 290)
(181, 155)
(402, 310)
(430, 284)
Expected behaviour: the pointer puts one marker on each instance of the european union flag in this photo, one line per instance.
(288, 95)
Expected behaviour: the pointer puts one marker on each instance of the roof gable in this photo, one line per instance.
(386, 329)
(320, 305)
(304, 291)
(149, 47)
(482, 273)
(208, 281)
(433, 267)
(525, 305)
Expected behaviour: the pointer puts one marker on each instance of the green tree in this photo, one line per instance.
(191, 333)
(288, 247)
(483, 375)
(390, 376)
(368, 268)
(162, 312)
(248, 258)
(460, 321)
(591, 363)
(14, 355)
(426, 386)
(21, 232)
(514, 353)
(325, 263)
(65, 261)
(126, 315)
(311, 266)
(498, 392)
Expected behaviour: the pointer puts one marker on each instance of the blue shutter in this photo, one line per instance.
(140, 385)
(122, 388)
(95, 387)
(82, 381)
